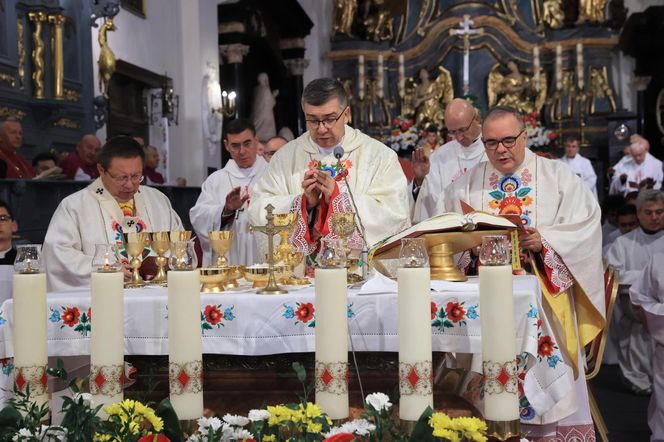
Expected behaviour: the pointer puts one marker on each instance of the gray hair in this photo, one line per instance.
(648, 196)
(321, 90)
(10, 119)
(501, 111)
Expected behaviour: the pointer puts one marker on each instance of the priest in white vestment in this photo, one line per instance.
(305, 177)
(225, 196)
(562, 235)
(647, 294)
(448, 162)
(98, 214)
(640, 170)
(579, 164)
(629, 255)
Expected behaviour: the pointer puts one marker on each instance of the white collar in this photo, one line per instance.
(474, 150)
(325, 151)
(3, 253)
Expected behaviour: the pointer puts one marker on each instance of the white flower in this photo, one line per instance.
(361, 427)
(194, 438)
(258, 415)
(205, 424)
(241, 434)
(234, 419)
(87, 399)
(333, 431)
(22, 434)
(379, 401)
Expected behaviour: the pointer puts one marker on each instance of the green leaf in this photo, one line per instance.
(448, 324)
(10, 421)
(206, 326)
(497, 195)
(436, 323)
(299, 370)
(523, 192)
(423, 431)
(172, 428)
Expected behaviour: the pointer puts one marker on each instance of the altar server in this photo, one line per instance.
(647, 294)
(226, 193)
(562, 237)
(639, 170)
(579, 164)
(448, 162)
(305, 177)
(113, 203)
(629, 254)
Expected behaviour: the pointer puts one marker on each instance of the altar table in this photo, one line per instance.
(244, 323)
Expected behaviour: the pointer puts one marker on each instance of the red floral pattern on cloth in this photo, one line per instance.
(558, 275)
(300, 235)
(574, 433)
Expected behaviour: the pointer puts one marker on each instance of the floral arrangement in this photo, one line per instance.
(404, 135)
(540, 139)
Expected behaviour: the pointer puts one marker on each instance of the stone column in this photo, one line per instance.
(292, 52)
(641, 85)
(58, 20)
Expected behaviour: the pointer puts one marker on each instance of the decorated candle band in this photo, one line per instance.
(33, 377)
(106, 380)
(332, 377)
(416, 378)
(185, 377)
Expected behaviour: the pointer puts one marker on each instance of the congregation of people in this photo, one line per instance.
(482, 161)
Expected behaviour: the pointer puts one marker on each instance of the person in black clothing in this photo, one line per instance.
(8, 227)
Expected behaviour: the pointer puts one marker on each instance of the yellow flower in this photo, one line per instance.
(527, 201)
(313, 410)
(440, 421)
(450, 435)
(314, 428)
(269, 438)
(472, 428)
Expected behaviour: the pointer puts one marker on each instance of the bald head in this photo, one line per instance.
(638, 148)
(273, 145)
(462, 121)
(88, 148)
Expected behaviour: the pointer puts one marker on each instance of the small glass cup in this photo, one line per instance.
(28, 258)
(495, 251)
(183, 256)
(413, 253)
(106, 259)
(332, 253)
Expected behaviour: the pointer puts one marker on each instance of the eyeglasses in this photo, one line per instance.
(5, 218)
(508, 142)
(326, 122)
(236, 147)
(456, 132)
(135, 179)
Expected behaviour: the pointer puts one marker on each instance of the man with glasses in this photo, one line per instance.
(447, 163)
(306, 178)
(113, 203)
(225, 195)
(560, 235)
(272, 146)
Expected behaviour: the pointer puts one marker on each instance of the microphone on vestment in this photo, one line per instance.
(338, 152)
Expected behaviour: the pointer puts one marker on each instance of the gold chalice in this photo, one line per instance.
(134, 243)
(161, 243)
(214, 278)
(260, 274)
(284, 247)
(343, 225)
(292, 260)
(220, 242)
(181, 235)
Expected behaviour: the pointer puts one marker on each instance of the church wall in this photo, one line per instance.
(177, 39)
(318, 41)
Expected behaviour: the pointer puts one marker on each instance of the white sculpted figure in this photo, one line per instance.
(262, 110)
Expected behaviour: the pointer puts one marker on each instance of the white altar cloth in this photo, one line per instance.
(243, 323)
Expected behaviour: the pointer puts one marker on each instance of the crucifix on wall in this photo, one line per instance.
(465, 31)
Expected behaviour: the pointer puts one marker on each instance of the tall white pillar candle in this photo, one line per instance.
(536, 67)
(30, 335)
(332, 342)
(380, 80)
(579, 66)
(185, 347)
(107, 337)
(415, 367)
(402, 76)
(559, 67)
(360, 77)
(501, 399)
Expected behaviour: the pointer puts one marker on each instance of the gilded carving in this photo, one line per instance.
(380, 23)
(9, 78)
(106, 56)
(591, 11)
(600, 89)
(38, 53)
(430, 97)
(344, 14)
(562, 102)
(67, 123)
(515, 89)
(11, 112)
(72, 95)
(21, 52)
(553, 14)
(58, 20)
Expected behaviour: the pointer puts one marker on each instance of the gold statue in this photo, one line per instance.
(431, 97)
(380, 25)
(562, 102)
(553, 14)
(344, 14)
(600, 88)
(38, 53)
(515, 89)
(106, 56)
(591, 11)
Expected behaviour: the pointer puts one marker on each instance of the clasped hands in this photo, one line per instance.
(317, 184)
(530, 239)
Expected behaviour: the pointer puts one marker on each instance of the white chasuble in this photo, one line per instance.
(373, 174)
(447, 163)
(650, 168)
(92, 216)
(206, 214)
(547, 195)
